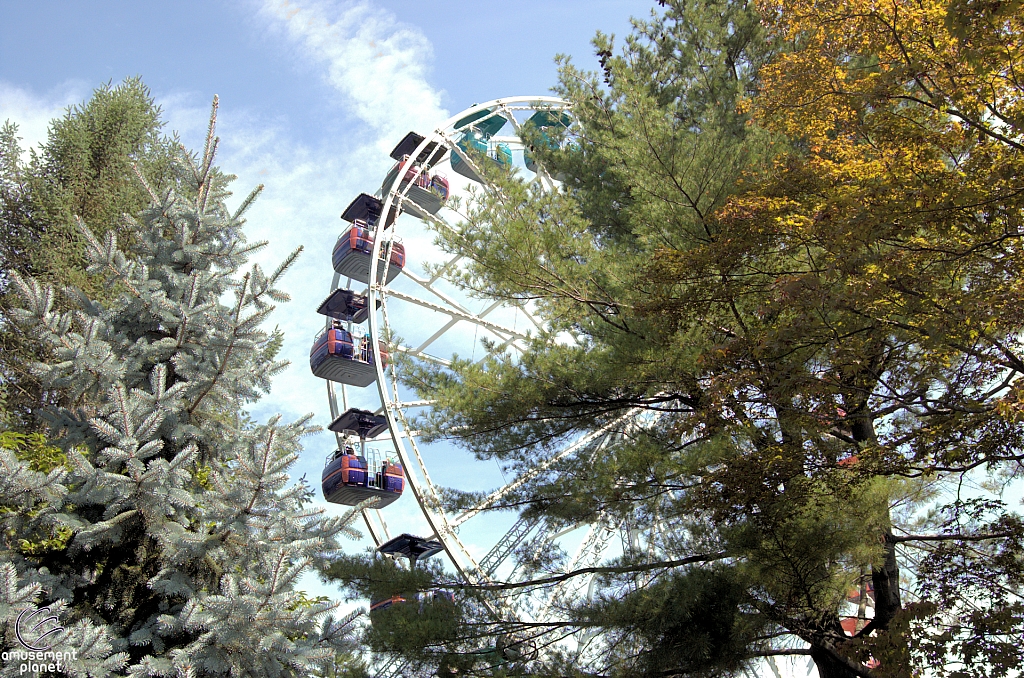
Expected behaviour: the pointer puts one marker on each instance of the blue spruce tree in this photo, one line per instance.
(158, 523)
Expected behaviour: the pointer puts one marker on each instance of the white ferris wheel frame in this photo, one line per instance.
(598, 533)
(404, 439)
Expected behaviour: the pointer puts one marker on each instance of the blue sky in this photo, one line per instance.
(314, 94)
(246, 52)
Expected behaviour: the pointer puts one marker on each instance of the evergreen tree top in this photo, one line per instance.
(171, 537)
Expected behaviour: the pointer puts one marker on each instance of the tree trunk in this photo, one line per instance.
(887, 603)
(886, 580)
(828, 666)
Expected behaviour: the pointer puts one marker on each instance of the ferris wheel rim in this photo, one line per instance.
(442, 526)
(427, 497)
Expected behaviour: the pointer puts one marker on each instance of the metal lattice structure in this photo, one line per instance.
(444, 321)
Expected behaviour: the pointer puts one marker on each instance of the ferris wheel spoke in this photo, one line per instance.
(600, 436)
(492, 499)
(424, 356)
(506, 545)
(456, 311)
(441, 272)
(435, 336)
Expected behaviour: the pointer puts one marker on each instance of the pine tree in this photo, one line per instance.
(84, 170)
(164, 530)
(784, 268)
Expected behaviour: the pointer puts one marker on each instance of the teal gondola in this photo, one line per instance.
(478, 150)
(544, 121)
(477, 130)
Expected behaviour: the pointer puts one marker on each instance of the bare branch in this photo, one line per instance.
(554, 579)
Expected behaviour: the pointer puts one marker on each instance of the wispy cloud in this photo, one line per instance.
(32, 111)
(378, 65)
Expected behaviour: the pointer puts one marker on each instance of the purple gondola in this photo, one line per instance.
(349, 478)
(336, 356)
(352, 253)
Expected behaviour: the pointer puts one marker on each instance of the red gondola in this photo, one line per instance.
(385, 603)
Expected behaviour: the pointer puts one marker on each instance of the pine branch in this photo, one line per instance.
(954, 537)
(145, 184)
(625, 569)
(227, 352)
(249, 200)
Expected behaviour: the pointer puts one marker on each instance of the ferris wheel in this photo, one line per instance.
(407, 296)
(406, 304)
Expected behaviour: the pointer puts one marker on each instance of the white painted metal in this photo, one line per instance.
(398, 413)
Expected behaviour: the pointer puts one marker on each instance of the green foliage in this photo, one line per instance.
(789, 301)
(87, 169)
(33, 449)
(691, 623)
(42, 458)
(155, 518)
(419, 624)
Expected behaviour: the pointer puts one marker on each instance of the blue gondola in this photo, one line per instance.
(509, 654)
(352, 253)
(337, 356)
(350, 477)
